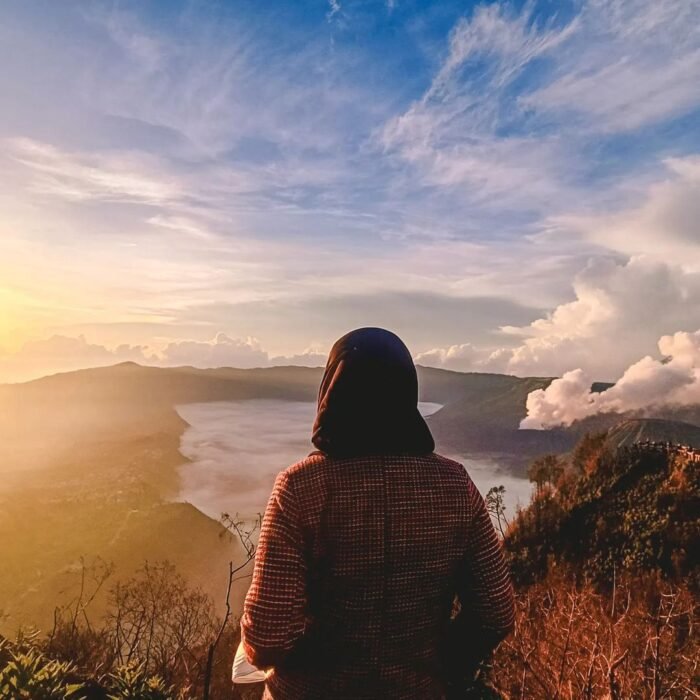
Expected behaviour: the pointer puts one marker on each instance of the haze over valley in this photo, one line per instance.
(128, 463)
(236, 448)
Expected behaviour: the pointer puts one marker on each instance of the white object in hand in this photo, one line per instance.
(244, 672)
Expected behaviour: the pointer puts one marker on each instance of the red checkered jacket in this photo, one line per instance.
(356, 573)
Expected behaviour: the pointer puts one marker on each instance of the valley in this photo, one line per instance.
(122, 465)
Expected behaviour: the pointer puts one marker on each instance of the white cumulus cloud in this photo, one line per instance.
(463, 357)
(672, 380)
(222, 351)
(61, 353)
(619, 310)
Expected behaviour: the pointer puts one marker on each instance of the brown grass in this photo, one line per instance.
(573, 642)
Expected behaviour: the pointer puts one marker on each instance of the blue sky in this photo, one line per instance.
(510, 186)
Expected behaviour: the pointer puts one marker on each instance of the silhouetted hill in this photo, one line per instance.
(173, 385)
(480, 410)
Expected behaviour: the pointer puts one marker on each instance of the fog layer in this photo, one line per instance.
(236, 448)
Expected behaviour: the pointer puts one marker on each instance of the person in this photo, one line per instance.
(370, 544)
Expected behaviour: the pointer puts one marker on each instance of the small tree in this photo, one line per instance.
(73, 636)
(156, 620)
(587, 452)
(546, 471)
(495, 504)
(245, 532)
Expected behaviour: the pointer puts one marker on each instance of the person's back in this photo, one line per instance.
(359, 562)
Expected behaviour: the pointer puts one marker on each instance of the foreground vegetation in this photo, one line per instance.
(605, 561)
(573, 641)
(153, 644)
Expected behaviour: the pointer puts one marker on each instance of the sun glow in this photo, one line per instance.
(13, 322)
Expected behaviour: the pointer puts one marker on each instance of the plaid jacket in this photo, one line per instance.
(357, 568)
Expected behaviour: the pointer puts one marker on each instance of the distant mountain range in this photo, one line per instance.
(481, 413)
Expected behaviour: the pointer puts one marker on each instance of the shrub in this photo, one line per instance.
(132, 682)
(30, 675)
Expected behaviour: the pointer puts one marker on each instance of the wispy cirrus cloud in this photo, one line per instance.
(334, 8)
(634, 66)
(457, 133)
(517, 103)
(125, 178)
(225, 169)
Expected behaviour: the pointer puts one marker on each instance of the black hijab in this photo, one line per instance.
(368, 399)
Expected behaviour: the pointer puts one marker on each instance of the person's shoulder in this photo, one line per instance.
(449, 465)
(316, 463)
(452, 474)
(305, 469)
(305, 479)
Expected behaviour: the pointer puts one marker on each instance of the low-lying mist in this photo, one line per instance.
(236, 448)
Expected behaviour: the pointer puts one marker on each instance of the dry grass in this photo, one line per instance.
(572, 642)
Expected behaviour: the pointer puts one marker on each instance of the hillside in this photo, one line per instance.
(606, 562)
(481, 412)
(89, 460)
(502, 396)
(635, 508)
(485, 418)
(636, 430)
(102, 504)
(480, 416)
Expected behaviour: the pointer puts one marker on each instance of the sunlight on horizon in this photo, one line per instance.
(495, 183)
(14, 329)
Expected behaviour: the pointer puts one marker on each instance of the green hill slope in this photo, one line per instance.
(634, 508)
(484, 420)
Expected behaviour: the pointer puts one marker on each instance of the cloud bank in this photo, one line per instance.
(63, 353)
(617, 309)
(663, 223)
(672, 380)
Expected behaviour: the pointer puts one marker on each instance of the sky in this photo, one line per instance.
(511, 187)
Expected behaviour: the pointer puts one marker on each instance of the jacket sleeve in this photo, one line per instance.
(484, 586)
(274, 611)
